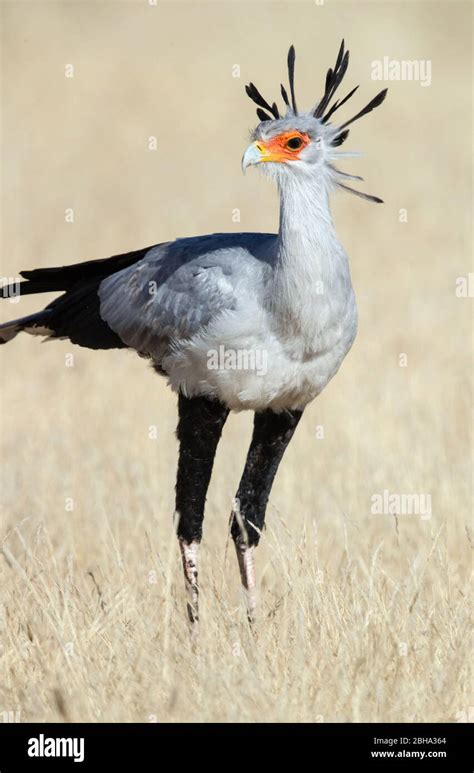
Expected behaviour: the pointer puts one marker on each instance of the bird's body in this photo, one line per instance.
(234, 321)
(281, 302)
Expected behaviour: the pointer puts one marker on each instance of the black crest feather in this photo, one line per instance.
(337, 104)
(342, 137)
(375, 102)
(255, 95)
(291, 77)
(323, 110)
(366, 196)
(262, 115)
(333, 80)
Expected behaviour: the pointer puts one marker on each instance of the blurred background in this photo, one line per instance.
(123, 126)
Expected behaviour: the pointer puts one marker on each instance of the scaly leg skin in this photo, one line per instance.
(271, 435)
(189, 556)
(245, 557)
(199, 429)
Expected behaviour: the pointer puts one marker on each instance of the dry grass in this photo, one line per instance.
(363, 617)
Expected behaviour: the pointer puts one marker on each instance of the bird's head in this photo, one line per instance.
(300, 144)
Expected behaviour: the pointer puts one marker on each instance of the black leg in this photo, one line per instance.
(199, 429)
(271, 435)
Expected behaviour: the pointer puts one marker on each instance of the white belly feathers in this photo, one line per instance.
(247, 364)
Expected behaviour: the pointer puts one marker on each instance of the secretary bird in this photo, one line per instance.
(286, 297)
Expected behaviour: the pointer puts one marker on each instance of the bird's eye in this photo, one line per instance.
(294, 143)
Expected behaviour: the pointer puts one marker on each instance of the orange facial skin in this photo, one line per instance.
(280, 148)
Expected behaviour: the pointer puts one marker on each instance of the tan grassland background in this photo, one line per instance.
(363, 617)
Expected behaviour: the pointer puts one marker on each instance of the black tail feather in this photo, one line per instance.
(76, 313)
(65, 277)
(10, 329)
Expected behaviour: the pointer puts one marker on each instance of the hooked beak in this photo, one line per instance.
(255, 154)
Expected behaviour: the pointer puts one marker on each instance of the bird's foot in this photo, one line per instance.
(189, 557)
(245, 557)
